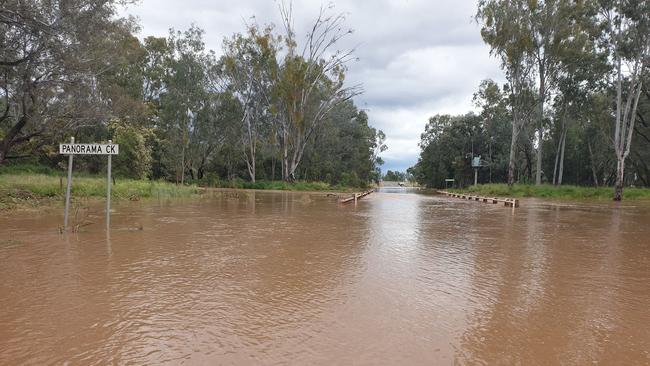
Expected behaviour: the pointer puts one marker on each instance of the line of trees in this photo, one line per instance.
(395, 176)
(271, 106)
(575, 107)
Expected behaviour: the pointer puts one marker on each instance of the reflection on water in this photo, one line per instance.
(294, 278)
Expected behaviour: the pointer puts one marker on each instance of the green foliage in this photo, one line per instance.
(350, 180)
(277, 185)
(249, 68)
(395, 176)
(345, 150)
(134, 159)
(26, 186)
(309, 85)
(56, 59)
(448, 145)
(550, 191)
(25, 169)
(178, 113)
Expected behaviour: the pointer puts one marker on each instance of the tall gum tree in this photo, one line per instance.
(556, 31)
(248, 68)
(311, 82)
(185, 93)
(627, 36)
(496, 118)
(503, 27)
(540, 33)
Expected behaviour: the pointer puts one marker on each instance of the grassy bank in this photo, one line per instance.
(33, 185)
(554, 192)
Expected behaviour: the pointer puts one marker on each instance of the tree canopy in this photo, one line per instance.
(270, 106)
(577, 87)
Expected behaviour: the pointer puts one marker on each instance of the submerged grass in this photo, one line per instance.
(556, 192)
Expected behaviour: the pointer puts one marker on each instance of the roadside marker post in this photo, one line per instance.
(67, 189)
(73, 149)
(108, 190)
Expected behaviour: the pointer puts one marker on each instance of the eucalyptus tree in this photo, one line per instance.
(219, 114)
(496, 118)
(567, 111)
(535, 36)
(311, 82)
(50, 54)
(121, 81)
(640, 152)
(596, 127)
(504, 28)
(248, 69)
(154, 69)
(395, 176)
(343, 151)
(554, 26)
(446, 146)
(378, 147)
(185, 93)
(627, 36)
(581, 70)
(593, 129)
(577, 85)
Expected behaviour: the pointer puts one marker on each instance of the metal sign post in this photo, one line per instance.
(73, 149)
(476, 164)
(67, 189)
(108, 190)
(447, 181)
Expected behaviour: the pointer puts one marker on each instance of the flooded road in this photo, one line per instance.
(289, 278)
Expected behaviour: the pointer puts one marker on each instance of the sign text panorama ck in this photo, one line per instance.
(89, 149)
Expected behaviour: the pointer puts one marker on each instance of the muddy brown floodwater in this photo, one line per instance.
(289, 278)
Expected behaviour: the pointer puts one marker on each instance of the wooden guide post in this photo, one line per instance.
(508, 202)
(355, 197)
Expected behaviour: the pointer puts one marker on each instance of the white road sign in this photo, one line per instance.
(89, 149)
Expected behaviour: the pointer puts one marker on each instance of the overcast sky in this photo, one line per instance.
(417, 58)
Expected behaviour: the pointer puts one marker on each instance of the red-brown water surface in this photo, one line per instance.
(293, 278)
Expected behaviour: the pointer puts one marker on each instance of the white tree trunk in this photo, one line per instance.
(557, 160)
(540, 131)
(561, 168)
(593, 164)
(625, 122)
(513, 146)
(183, 164)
